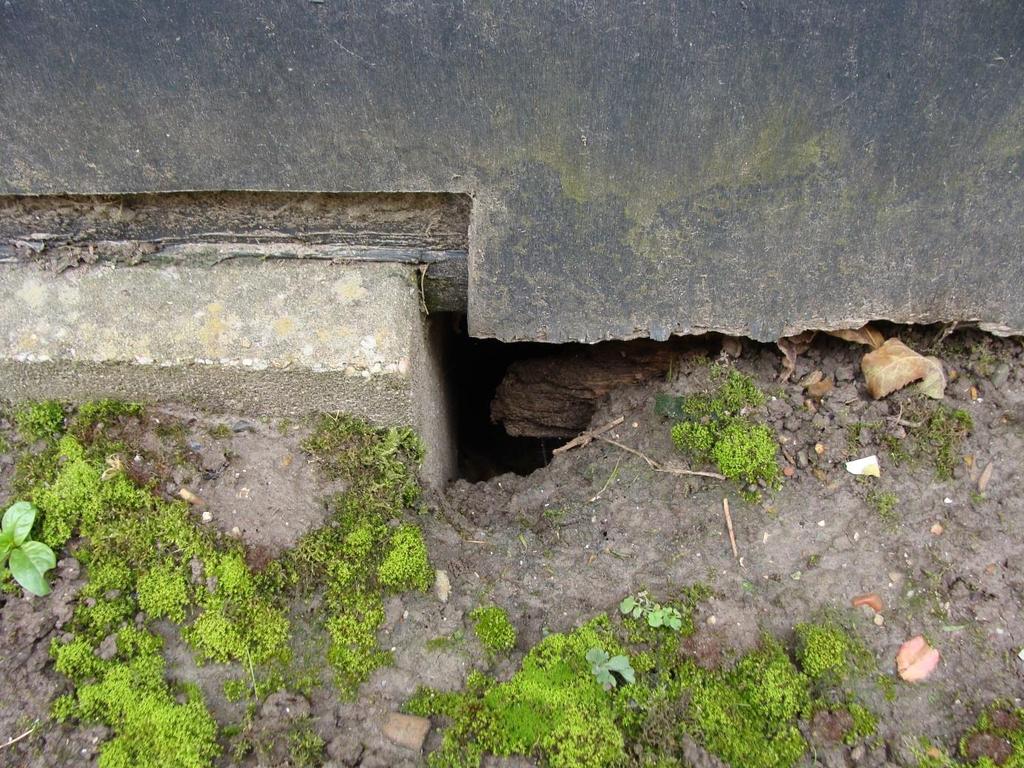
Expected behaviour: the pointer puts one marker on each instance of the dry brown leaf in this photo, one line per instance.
(791, 348)
(894, 365)
(867, 335)
(820, 388)
(871, 599)
(986, 477)
(916, 659)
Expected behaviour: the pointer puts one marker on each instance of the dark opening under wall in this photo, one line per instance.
(476, 369)
(515, 403)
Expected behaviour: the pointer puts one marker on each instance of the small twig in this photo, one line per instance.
(16, 739)
(728, 525)
(607, 482)
(672, 470)
(585, 437)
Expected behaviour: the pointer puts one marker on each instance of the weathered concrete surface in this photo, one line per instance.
(269, 338)
(638, 169)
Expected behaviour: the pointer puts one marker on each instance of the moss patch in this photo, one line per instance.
(357, 556)
(493, 629)
(554, 711)
(146, 558)
(42, 420)
(715, 427)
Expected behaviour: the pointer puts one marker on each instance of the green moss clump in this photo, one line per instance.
(865, 723)
(748, 715)
(42, 420)
(823, 651)
(552, 709)
(714, 427)
(356, 555)
(884, 503)
(493, 628)
(406, 565)
(163, 592)
(94, 413)
(943, 434)
(130, 695)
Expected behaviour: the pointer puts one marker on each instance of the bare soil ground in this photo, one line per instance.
(572, 539)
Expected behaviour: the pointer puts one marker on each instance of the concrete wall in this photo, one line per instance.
(638, 169)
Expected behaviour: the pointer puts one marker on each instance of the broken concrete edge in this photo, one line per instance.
(853, 323)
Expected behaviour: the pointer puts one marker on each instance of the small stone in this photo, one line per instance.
(819, 448)
(346, 748)
(108, 648)
(442, 586)
(712, 620)
(788, 471)
(407, 731)
(243, 426)
(937, 529)
(879, 620)
(236, 533)
(1001, 374)
(801, 458)
(207, 516)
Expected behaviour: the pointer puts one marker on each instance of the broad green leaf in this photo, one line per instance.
(627, 605)
(18, 521)
(618, 663)
(5, 547)
(654, 619)
(40, 554)
(627, 674)
(597, 656)
(26, 573)
(638, 612)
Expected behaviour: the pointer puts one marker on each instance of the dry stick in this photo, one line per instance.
(585, 437)
(728, 525)
(655, 465)
(16, 739)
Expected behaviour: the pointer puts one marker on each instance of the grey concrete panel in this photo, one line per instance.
(637, 168)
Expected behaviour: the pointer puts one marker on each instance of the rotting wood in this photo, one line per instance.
(557, 395)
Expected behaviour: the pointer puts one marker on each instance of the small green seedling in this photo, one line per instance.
(603, 665)
(28, 560)
(657, 615)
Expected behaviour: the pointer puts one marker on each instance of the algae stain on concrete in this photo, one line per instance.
(33, 293)
(349, 289)
(283, 326)
(213, 329)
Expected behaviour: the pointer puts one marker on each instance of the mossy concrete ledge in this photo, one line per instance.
(270, 338)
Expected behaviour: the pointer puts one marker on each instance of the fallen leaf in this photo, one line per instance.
(872, 600)
(791, 348)
(820, 388)
(867, 466)
(986, 477)
(732, 346)
(894, 365)
(188, 496)
(916, 659)
(867, 335)
(811, 378)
